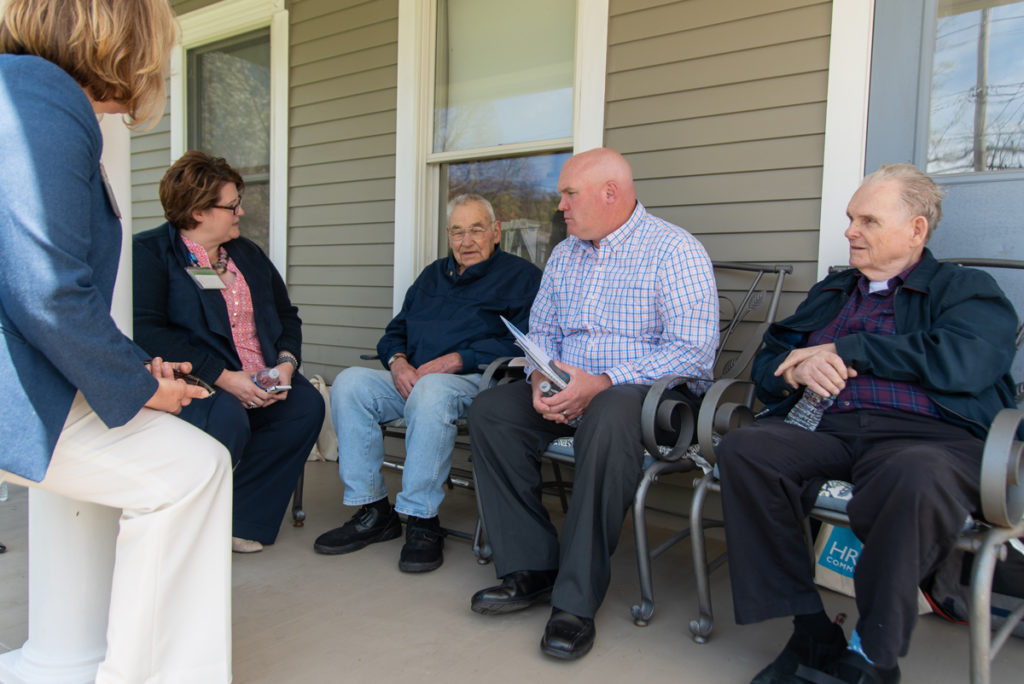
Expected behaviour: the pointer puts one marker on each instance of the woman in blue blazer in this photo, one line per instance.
(83, 415)
(204, 294)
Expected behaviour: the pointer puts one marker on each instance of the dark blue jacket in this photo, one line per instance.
(176, 319)
(954, 339)
(446, 312)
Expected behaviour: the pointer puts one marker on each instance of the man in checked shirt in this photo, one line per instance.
(625, 299)
(917, 354)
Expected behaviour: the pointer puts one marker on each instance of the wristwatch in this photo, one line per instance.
(399, 355)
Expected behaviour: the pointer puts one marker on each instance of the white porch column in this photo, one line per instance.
(71, 543)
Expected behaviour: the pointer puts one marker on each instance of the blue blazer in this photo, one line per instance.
(176, 319)
(59, 246)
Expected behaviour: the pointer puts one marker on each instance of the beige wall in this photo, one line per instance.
(344, 58)
(720, 108)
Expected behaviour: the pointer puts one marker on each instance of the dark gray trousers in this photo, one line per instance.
(507, 437)
(915, 481)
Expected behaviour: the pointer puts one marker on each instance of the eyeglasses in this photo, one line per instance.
(460, 234)
(234, 209)
(191, 379)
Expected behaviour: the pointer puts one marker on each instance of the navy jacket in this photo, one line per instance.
(954, 339)
(60, 243)
(176, 319)
(446, 312)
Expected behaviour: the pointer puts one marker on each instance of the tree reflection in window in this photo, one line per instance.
(524, 192)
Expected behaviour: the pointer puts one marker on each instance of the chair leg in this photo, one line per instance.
(481, 547)
(298, 515)
(701, 627)
(560, 483)
(984, 646)
(643, 611)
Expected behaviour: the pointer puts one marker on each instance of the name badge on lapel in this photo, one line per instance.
(206, 278)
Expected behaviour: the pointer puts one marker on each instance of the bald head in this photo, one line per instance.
(597, 193)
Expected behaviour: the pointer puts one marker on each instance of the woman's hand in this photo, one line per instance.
(172, 394)
(239, 384)
(285, 373)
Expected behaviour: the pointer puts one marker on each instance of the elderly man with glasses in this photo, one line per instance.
(448, 327)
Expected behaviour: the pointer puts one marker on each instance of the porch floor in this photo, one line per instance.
(302, 617)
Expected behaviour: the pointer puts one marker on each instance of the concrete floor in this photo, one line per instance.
(301, 617)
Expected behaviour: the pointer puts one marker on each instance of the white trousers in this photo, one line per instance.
(170, 603)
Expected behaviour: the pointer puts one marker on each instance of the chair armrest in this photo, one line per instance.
(671, 415)
(1002, 471)
(726, 405)
(499, 371)
(369, 357)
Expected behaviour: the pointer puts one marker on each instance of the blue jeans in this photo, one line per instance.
(363, 398)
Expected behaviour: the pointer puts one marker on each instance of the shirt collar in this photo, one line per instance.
(892, 284)
(472, 272)
(624, 232)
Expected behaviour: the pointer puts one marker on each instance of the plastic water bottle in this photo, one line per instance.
(266, 377)
(808, 411)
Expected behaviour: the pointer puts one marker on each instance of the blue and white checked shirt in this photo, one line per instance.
(642, 306)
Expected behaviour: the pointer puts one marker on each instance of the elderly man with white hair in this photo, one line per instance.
(915, 355)
(432, 350)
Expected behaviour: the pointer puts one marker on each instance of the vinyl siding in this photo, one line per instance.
(343, 88)
(720, 109)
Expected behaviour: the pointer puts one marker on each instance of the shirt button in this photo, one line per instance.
(846, 403)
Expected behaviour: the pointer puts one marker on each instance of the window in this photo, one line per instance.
(492, 98)
(229, 116)
(976, 120)
(495, 88)
(228, 91)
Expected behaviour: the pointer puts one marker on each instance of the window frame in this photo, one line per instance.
(227, 19)
(417, 167)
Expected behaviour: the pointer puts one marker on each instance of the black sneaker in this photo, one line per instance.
(424, 545)
(375, 522)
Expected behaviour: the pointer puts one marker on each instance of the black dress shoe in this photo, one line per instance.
(849, 668)
(568, 636)
(424, 545)
(374, 522)
(518, 590)
(802, 650)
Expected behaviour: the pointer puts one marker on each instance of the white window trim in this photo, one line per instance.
(224, 20)
(846, 124)
(416, 181)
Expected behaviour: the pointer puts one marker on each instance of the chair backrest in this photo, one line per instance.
(1016, 297)
(737, 306)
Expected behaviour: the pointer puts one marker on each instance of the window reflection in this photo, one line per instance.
(524, 192)
(503, 73)
(976, 120)
(229, 116)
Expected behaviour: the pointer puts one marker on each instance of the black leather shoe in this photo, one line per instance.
(849, 668)
(424, 545)
(372, 523)
(517, 591)
(568, 636)
(801, 650)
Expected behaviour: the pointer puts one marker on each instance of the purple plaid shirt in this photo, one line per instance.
(642, 306)
(873, 313)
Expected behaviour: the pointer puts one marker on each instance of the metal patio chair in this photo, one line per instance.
(729, 404)
(662, 413)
